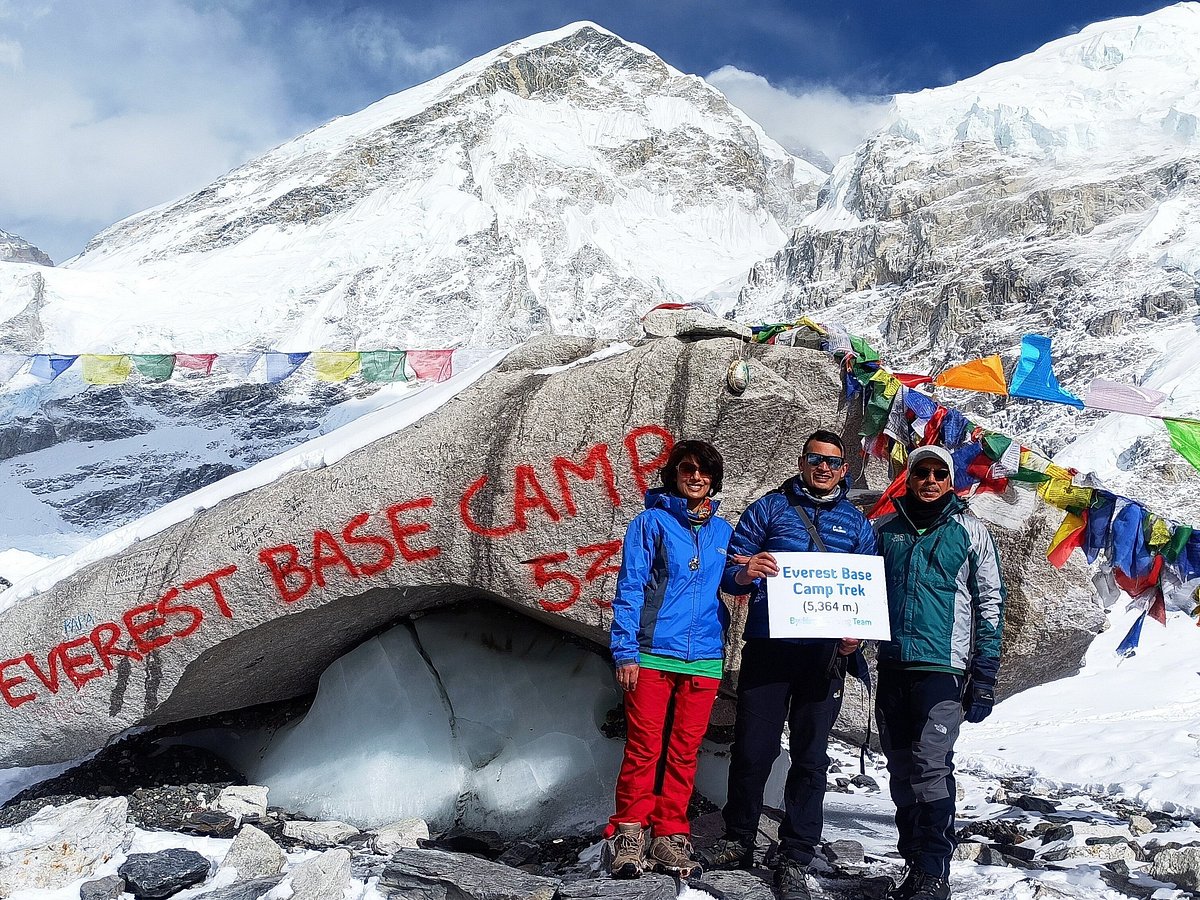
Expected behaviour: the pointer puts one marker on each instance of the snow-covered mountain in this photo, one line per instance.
(1058, 193)
(562, 183)
(566, 183)
(14, 248)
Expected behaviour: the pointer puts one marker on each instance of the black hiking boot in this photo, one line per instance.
(928, 887)
(791, 880)
(728, 853)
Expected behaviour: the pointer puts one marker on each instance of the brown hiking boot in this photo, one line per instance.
(628, 847)
(673, 853)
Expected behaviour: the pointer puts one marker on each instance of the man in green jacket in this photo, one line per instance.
(946, 603)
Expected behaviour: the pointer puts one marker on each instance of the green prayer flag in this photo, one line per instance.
(154, 366)
(864, 351)
(1185, 438)
(1179, 539)
(879, 407)
(383, 365)
(995, 445)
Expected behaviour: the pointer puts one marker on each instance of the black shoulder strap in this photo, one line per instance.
(808, 522)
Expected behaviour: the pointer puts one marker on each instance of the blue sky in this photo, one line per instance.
(110, 111)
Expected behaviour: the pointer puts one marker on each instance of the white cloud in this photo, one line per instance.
(803, 120)
(109, 109)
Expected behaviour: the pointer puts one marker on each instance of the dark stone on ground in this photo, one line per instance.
(522, 853)
(649, 887)
(994, 830)
(244, 890)
(1057, 854)
(1017, 852)
(181, 808)
(110, 887)
(733, 885)
(1034, 804)
(155, 876)
(434, 873)
(865, 781)
(487, 844)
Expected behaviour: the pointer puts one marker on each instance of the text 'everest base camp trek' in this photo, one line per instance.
(554, 578)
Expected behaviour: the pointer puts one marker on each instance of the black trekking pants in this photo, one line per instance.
(783, 681)
(919, 715)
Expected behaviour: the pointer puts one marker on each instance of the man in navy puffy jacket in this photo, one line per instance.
(794, 680)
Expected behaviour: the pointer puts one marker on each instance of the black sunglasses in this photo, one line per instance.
(815, 460)
(687, 468)
(925, 471)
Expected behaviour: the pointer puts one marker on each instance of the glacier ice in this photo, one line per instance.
(468, 717)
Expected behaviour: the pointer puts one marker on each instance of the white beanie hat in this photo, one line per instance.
(929, 451)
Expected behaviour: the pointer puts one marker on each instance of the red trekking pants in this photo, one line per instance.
(659, 769)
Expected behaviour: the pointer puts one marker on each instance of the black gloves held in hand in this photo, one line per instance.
(978, 703)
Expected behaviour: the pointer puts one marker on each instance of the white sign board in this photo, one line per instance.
(828, 595)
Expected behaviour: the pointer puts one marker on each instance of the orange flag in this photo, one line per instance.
(986, 375)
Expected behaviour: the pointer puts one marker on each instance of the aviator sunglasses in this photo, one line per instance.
(687, 468)
(815, 460)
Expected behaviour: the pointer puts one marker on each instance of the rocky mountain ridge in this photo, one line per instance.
(1056, 194)
(14, 248)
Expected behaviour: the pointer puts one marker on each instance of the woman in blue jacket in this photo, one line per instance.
(668, 643)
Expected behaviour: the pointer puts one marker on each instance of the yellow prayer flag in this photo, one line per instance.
(335, 366)
(809, 323)
(891, 384)
(1059, 492)
(985, 375)
(106, 368)
(899, 454)
(1160, 533)
(1069, 530)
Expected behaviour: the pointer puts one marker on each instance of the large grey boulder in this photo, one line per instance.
(58, 845)
(518, 490)
(254, 855)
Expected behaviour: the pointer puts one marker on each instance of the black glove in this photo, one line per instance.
(978, 703)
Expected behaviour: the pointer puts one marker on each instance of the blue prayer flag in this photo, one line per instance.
(281, 365)
(1034, 377)
(1128, 647)
(48, 366)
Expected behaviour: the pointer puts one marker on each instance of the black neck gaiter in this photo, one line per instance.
(923, 514)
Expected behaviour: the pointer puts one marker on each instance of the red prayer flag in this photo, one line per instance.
(1135, 587)
(1158, 609)
(196, 363)
(434, 365)
(884, 505)
(1059, 553)
(912, 381)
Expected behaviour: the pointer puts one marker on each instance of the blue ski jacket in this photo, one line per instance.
(664, 605)
(771, 524)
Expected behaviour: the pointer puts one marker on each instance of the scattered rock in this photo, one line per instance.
(438, 873)
(154, 876)
(648, 887)
(1123, 850)
(1180, 867)
(181, 808)
(110, 887)
(865, 781)
(58, 845)
(1086, 831)
(244, 890)
(243, 801)
(1139, 825)
(402, 835)
(968, 851)
(319, 834)
(734, 885)
(254, 855)
(845, 853)
(1034, 804)
(522, 853)
(322, 877)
